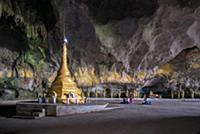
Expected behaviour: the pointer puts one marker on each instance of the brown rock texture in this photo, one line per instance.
(124, 42)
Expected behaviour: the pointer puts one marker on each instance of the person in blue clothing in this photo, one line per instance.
(146, 100)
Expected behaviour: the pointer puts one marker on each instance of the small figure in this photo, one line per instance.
(146, 100)
(40, 99)
(54, 97)
(125, 101)
(130, 99)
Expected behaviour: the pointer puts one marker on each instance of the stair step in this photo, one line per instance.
(31, 114)
(26, 117)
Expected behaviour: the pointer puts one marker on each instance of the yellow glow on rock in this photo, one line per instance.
(22, 73)
(26, 73)
(83, 77)
(87, 77)
(126, 78)
(93, 76)
(9, 74)
(29, 74)
(166, 69)
(141, 75)
(113, 76)
(1, 74)
(195, 65)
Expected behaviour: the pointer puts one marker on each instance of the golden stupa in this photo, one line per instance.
(63, 87)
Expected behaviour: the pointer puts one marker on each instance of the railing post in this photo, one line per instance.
(172, 94)
(127, 93)
(111, 93)
(67, 100)
(119, 93)
(88, 93)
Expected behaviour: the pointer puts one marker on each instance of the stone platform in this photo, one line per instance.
(30, 108)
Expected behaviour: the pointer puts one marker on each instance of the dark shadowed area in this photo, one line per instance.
(163, 117)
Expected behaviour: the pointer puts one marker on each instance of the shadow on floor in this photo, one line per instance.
(7, 110)
(10, 133)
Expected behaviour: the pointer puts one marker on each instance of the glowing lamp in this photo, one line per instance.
(65, 40)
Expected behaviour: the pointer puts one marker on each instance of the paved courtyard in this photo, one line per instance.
(163, 117)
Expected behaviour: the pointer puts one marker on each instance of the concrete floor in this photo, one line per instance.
(163, 117)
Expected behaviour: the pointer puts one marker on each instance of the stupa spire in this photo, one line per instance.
(64, 71)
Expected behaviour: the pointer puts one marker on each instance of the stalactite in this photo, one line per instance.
(32, 30)
(6, 8)
(1, 8)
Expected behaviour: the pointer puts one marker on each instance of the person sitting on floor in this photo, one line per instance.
(125, 101)
(146, 100)
(130, 99)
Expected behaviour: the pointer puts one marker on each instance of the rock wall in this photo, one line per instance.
(148, 44)
(123, 42)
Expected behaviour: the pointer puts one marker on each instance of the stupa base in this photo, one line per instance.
(27, 108)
